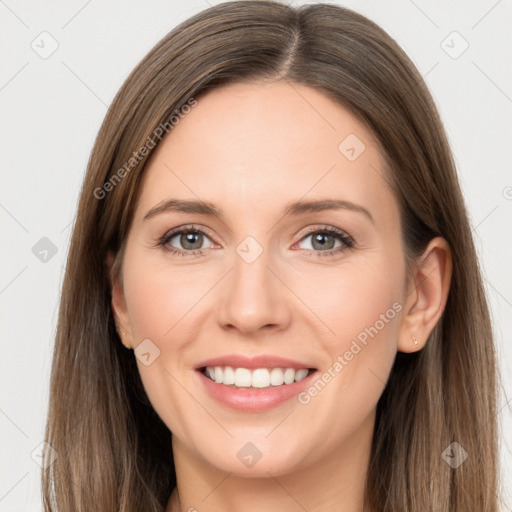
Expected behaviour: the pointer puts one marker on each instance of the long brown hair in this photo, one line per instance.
(114, 452)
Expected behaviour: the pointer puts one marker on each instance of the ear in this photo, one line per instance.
(427, 294)
(118, 303)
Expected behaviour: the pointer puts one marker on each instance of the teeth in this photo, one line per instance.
(228, 377)
(242, 378)
(258, 378)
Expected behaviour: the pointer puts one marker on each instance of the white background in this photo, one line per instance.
(51, 111)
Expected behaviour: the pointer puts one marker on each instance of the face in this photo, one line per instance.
(321, 287)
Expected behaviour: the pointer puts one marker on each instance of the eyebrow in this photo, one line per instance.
(293, 208)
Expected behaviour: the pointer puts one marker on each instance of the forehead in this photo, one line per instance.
(250, 146)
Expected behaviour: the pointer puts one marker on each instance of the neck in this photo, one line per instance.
(335, 482)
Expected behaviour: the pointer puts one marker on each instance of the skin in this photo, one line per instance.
(250, 149)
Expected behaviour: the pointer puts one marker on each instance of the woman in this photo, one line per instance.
(272, 225)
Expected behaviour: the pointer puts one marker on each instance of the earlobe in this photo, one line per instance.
(427, 295)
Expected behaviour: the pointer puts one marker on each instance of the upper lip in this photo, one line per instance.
(261, 361)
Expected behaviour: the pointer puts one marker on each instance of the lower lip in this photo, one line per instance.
(253, 399)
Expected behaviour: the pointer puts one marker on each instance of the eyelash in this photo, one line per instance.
(347, 240)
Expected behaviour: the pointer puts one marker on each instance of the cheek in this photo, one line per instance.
(357, 297)
(360, 308)
(163, 304)
(160, 295)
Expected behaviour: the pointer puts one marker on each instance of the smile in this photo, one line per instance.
(259, 378)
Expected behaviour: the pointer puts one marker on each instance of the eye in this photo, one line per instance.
(190, 238)
(190, 241)
(323, 241)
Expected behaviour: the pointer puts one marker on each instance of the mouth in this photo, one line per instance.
(256, 389)
(256, 378)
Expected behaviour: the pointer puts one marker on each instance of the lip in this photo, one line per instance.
(251, 363)
(252, 399)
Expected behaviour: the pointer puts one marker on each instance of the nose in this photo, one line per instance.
(253, 296)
